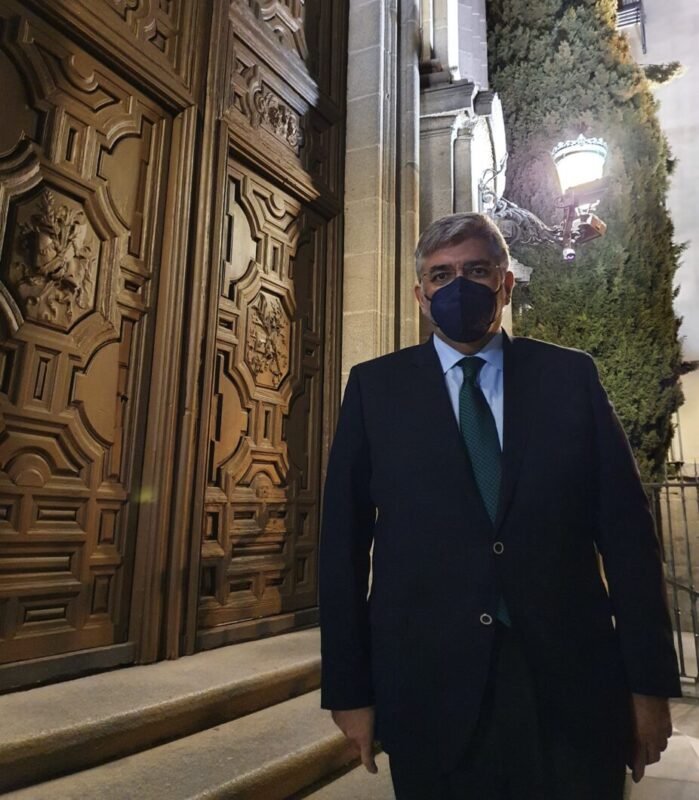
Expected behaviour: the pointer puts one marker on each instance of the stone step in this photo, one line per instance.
(358, 784)
(269, 755)
(71, 726)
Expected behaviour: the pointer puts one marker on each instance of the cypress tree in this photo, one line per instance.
(660, 74)
(561, 69)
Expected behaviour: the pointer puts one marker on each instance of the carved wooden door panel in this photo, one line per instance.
(82, 154)
(261, 517)
(277, 298)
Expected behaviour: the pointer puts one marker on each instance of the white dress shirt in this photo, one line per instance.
(490, 378)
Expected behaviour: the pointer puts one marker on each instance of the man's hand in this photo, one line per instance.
(652, 728)
(358, 726)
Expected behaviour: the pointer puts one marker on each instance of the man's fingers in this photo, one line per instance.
(358, 726)
(645, 755)
(639, 765)
(652, 755)
(367, 754)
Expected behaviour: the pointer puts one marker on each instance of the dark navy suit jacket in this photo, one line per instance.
(399, 481)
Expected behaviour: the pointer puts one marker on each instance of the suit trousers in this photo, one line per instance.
(511, 756)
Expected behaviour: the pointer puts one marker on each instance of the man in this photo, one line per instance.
(489, 474)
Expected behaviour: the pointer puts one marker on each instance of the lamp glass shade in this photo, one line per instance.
(579, 161)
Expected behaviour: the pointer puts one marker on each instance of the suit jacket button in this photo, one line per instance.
(498, 548)
(486, 619)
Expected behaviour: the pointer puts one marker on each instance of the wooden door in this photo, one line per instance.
(84, 162)
(274, 348)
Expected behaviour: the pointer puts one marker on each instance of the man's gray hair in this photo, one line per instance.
(457, 228)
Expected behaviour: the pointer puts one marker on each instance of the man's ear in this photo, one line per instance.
(422, 301)
(509, 286)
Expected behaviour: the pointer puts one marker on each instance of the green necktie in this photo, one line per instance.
(480, 434)
(482, 443)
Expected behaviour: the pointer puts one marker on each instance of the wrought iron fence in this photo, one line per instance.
(630, 13)
(675, 506)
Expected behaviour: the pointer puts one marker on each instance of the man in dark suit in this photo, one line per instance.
(478, 479)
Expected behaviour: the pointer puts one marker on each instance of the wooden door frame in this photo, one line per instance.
(154, 538)
(164, 581)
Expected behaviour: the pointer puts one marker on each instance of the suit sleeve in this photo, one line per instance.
(631, 556)
(346, 538)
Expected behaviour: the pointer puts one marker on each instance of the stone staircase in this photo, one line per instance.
(238, 722)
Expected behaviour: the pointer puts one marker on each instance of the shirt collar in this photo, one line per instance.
(449, 356)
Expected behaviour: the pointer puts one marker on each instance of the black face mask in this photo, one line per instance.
(464, 310)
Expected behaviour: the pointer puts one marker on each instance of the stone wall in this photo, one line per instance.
(380, 179)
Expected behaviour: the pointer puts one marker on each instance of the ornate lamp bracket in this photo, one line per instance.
(576, 160)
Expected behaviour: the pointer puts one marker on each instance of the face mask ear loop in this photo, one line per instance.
(424, 294)
(497, 292)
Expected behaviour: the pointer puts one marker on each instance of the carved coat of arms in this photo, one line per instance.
(267, 342)
(54, 275)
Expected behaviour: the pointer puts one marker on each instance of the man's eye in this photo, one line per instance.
(440, 277)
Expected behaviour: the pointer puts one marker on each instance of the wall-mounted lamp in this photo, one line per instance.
(580, 166)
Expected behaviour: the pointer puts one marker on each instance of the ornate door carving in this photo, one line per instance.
(81, 165)
(259, 544)
(274, 306)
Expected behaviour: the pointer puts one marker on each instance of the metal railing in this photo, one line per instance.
(632, 13)
(675, 506)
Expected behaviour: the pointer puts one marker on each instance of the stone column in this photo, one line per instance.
(465, 178)
(454, 36)
(409, 184)
(473, 41)
(446, 35)
(380, 178)
(446, 117)
(462, 134)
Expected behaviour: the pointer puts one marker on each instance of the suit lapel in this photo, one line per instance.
(521, 377)
(432, 392)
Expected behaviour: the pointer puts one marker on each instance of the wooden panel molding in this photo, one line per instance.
(261, 106)
(286, 20)
(81, 175)
(158, 23)
(285, 105)
(259, 541)
(154, 39)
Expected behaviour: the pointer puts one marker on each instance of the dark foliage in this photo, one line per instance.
(659, 74)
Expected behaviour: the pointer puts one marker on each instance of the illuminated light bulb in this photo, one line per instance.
(579, 161)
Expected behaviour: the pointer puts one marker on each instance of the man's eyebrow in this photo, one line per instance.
(478, 262)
